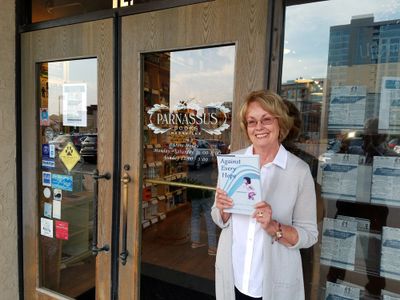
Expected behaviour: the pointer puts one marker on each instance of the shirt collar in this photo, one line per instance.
(280, 159)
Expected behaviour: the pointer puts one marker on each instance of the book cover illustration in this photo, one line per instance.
(239, 177)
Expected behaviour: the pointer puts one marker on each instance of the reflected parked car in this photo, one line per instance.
(60, 141)
(201, 154)
(89, 149)
(393, 143)
(219, 146)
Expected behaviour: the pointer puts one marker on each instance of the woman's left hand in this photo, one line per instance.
(263, 214)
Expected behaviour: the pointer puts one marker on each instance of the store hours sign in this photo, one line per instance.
(188, 118)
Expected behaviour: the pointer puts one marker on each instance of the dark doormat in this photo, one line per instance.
(154, 289)
(89, 295)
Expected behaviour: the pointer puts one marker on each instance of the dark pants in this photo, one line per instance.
(240, 296)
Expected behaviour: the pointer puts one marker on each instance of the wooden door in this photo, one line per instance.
(67, 133)
(149, 41)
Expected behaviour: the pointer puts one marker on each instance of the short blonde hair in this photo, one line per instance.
(273, 104)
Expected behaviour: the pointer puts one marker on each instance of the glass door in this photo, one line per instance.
(67, 142)
(185, 72)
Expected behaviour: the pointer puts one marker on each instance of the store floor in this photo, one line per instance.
(167, 254)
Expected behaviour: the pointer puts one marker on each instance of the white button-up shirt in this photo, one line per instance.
(248, 237)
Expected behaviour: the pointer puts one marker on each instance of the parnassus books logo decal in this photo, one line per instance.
(188, 117)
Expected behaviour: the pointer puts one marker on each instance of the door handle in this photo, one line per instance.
(96, 177)
(124, 253)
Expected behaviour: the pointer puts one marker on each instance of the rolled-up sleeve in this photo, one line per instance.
(305, 212)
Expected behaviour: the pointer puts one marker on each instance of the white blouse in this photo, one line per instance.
(248, 236)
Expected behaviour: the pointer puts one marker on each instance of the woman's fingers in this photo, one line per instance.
(222, 200)
(263, 213)
(262, 204)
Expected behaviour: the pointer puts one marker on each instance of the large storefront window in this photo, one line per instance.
(67, 111)
(341, 75)
(187, 117)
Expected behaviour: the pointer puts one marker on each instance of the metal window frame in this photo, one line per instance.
(277, 39)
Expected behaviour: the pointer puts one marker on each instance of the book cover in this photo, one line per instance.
(239, 177)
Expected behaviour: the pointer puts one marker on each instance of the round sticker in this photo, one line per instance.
(47, 192)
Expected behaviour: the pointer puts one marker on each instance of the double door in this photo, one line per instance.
(121, 121)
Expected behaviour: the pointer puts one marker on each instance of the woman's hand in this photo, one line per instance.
(263, 214)
(222, 201)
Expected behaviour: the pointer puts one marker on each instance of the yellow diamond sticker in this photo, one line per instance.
(69, 156)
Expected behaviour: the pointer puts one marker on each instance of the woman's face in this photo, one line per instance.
(260, 135)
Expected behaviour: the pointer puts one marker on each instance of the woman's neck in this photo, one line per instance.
(267, 154)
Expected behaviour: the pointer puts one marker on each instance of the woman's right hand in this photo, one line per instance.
(222, 201)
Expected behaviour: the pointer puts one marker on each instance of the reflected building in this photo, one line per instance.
(307, 95)
(360, 55)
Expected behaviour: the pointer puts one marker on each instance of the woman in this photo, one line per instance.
(258, 256)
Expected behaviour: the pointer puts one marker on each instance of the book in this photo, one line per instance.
(239, 177)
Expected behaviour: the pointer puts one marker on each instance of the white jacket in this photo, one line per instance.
(293, 201)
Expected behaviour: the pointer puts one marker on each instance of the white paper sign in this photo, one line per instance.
(387, 295)
(386, 180)
(338, 247)
(347, 107)
(389, 108)
(339, 177)
(341, 291)
(74, 104)
(390, 256)
(56, 209)
(46, 227)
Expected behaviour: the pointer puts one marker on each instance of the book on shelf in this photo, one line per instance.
(239, 177)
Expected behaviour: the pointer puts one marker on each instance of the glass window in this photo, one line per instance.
(68, 158)
(341, 74)
(44, 10)
(187, 107)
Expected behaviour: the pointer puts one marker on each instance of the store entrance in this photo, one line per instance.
(184, 73)
(122, 120)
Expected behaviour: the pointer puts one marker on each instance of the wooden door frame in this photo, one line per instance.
(220, 22)
(84, 40)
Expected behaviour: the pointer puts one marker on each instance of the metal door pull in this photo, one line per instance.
(96, 177)
(124, 253)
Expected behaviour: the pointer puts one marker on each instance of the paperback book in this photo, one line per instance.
(239, 177)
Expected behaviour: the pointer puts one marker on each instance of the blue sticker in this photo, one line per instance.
(45, 150)
(48, 163)
(46, 178)
(62, 182)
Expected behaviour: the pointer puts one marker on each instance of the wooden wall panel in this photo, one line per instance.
(92, 39)
(8, 136)
(243, 23)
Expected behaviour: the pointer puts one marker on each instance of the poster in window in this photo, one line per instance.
(390, 262)
(74, 104)
(339, 177)
(339, 239)
(347, 107)
(389, 107)
(341, 291)
(386, 180)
